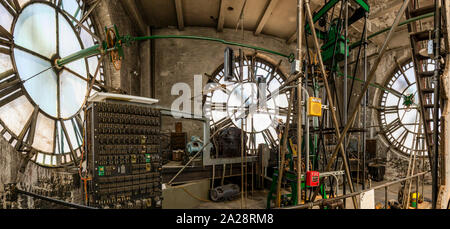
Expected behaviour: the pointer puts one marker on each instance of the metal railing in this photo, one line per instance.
(324, 201)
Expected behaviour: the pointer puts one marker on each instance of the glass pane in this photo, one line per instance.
(40, 158)
(71, 7)
(23, 2)
(72, 91)
(31, 25)
(74, 138)
(69, 44)
(29, 65)
(61, 140)
(5, 18)
(16, 113)
(5, 63)
(86, 38)
(93, 62)
(44, 136)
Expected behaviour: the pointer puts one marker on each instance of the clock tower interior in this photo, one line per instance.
(217, 104)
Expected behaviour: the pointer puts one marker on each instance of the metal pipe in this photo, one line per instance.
(345, 92)
(330, 101)
(299, 99)
(94, 50)
(283, 143)
(322, 201)
(437, 85)
(385, 197)
(304, 90)
(291, 56)
(366, 97)
(371, 75)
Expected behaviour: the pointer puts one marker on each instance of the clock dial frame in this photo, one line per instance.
(399, 117)
(218, 108)
(50, 139)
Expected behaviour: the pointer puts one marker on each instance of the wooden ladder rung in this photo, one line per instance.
(426, 74)
(422, 35)
(422, 10)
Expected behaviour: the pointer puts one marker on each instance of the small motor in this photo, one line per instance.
(194, 146)
(226, 192)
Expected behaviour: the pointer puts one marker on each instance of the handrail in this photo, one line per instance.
(322, 201)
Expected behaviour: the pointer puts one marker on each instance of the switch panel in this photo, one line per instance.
(124, 159)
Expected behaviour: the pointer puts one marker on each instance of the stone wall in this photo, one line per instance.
(54, 183)
(64, 184)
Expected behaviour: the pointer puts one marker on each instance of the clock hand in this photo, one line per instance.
(25, 80)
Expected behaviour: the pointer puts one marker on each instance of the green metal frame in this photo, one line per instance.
(326, 8)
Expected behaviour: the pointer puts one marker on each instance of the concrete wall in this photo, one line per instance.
(178, 60)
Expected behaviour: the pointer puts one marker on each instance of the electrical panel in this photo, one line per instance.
(124, 159)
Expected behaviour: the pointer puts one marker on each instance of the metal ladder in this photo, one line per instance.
(424, 77)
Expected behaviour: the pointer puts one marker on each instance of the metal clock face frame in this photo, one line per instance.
(40, 104)
(222, 104)
(399, 113)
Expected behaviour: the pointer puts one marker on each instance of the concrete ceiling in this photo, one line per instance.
(271, 17)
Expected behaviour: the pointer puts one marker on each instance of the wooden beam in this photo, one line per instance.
(180, 18)
(292, 38)
(135, 15)
(266, 16)
(386, 9)
(314, 5)
(221, 19)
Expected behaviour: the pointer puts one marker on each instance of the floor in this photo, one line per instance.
(259, 198)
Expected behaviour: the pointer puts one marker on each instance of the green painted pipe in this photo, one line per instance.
(290, 57)
(94, 50)
(362, 81)
(358, 43)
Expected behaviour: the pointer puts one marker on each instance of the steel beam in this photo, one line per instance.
(330, 100)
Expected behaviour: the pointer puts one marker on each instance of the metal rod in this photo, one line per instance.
(411, 20)
(283, 143)
(299, 99)
(330, 101)
(322, 201)
(372, 74)
(60, 202)
(385, 197)
(437, 85)
(366, 98)
(345, 92)
(241, 77)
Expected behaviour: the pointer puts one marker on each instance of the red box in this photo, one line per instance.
(312, 179)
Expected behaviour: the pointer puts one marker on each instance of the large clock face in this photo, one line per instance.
(41, 104)
(240, 105)
(400, 114)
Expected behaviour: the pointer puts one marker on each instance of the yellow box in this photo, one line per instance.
(314, 107)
